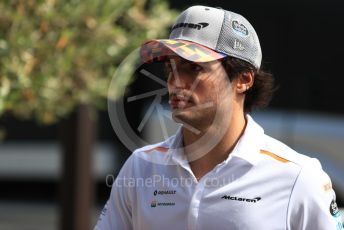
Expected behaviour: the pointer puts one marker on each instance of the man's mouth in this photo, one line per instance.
(179, 101)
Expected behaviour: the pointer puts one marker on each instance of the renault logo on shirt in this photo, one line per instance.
(254, 200)
(164, 192)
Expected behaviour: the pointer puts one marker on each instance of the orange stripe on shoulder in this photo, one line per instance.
(328, 186)
(274, 156)
(159, 149)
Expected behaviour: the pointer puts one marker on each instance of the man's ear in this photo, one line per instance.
(244, 82)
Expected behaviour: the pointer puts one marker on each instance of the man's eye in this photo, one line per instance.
(196, 68)
(168, 66)
(168, 71)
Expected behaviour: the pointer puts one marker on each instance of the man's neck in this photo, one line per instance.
(220, 152)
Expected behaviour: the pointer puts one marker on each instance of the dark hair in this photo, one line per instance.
(260, 94)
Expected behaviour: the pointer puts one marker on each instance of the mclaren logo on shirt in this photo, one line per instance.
(254, 200)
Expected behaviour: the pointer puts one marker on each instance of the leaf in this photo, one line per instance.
(55, 55)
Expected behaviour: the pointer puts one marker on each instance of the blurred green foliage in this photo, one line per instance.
(57, 54)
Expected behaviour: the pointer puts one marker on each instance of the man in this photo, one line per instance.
(220, 171)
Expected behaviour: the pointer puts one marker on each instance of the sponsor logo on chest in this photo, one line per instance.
(235, 198)
(164, 192)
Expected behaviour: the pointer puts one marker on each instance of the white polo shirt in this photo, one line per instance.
(262, 185)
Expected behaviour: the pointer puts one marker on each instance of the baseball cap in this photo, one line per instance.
(203, 34)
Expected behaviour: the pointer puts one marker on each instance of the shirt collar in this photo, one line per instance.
(247, 147)
(176, 152)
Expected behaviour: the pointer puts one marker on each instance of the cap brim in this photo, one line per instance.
(159, 50)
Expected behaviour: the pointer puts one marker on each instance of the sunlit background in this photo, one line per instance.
(58, 150)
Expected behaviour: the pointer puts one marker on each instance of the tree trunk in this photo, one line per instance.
(77, 183)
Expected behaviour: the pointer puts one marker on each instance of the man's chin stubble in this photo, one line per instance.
(199, 123)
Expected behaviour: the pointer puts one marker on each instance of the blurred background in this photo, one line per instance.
(57, 58)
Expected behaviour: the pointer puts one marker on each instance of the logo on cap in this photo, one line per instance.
(197, 26)
(240, 29)
(238, 45)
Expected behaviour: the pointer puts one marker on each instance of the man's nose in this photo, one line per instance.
(177, 79)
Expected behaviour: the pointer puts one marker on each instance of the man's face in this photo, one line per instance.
(198, 91)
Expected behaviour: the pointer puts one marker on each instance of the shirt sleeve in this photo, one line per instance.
(117, 212)
(312, 204)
